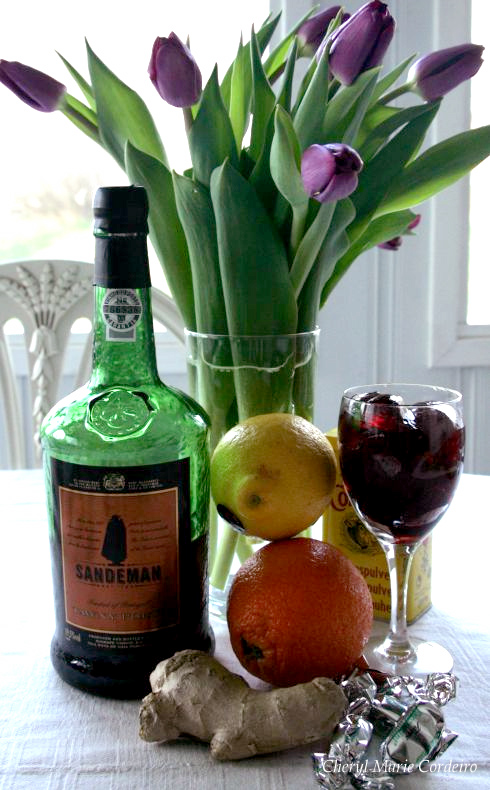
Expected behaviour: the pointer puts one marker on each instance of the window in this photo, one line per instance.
(479, 263)
(457, 260)
(50, 170)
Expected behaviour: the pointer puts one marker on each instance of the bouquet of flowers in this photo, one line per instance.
(291, 180)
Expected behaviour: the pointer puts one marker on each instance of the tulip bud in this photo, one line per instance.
(312, 32)
(35, 88)
(391, 244)
(396, 242)
(174, 72)
(436, 74)
(360, 42)
(330, 172)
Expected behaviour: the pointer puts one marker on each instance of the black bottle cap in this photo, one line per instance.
(121, 226)
(121, 210)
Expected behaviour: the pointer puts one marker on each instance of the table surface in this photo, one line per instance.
(58, 738)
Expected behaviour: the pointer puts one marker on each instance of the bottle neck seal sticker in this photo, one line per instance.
(121, 311)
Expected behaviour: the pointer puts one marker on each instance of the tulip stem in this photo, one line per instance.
(297, 227)
(188, 119)
(80, 117)
(277, 73)
(394, 94)
(224, 557)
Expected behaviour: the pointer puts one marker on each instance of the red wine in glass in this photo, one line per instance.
(401, 455)
(400, 464)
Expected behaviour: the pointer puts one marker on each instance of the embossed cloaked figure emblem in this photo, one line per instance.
(119, 412)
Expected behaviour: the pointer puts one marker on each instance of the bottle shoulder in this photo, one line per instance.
(146, 422)
(193, 407)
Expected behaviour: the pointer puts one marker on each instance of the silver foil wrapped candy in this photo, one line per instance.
(388, 729)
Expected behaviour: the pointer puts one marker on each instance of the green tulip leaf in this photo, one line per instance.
(383, 229)
(386, 168)
(285, 159)
(215, 390)
(337, 241)
(378, 231)
(166, 232)
(263, 102)
(82, 83)
(384, 130)
(267, 30)
(286, 93)
(389, 79)
(334, 245)
(258, 295)
(226, 81)
(85, 112)
(303, 86)
(375, 116)
(81, 116)
(264, 35)
(240, 94)
(342, 108)
(437, 168)
(122, 115)
(310, 246)
(278, 56)
(196, 214)
(359, 109)
(260, 177)
(211, 138)
(309, 117)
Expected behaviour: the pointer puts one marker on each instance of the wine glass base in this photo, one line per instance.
(427, 657)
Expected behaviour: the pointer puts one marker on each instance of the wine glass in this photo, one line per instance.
(401, 455)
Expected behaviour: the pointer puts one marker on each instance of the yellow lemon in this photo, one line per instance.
(272, 475)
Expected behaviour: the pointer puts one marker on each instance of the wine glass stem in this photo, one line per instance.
(399, 557)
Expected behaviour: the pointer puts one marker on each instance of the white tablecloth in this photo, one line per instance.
(54, 737)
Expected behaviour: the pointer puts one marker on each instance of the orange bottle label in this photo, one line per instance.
(120, 536)
(120, 560)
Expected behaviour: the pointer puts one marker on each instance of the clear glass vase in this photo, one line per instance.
(238, 376)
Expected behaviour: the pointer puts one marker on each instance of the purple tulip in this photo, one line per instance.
(391, 244)
(330, 172)
(174, 72)
(312, 32)
(35, 88)
(360, 42)
(436, 74)
(395, 243)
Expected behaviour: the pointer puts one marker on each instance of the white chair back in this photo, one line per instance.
(47, 296)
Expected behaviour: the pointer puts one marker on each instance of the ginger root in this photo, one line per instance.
(193, 694)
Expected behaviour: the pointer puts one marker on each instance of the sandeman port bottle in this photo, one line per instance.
(127, 478)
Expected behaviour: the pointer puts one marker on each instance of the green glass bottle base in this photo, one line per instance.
(126, 679)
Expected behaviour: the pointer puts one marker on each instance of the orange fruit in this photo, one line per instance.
(298, 609)
(273, 475)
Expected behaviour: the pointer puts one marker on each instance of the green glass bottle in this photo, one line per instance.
(127, 478)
